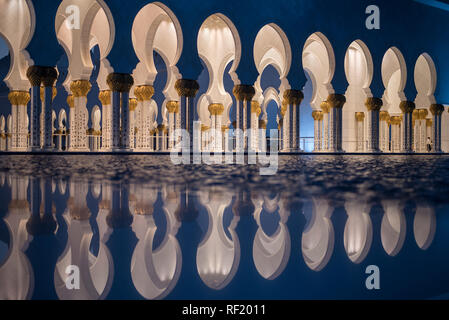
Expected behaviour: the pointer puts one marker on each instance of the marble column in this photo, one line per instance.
(173, 113)
(256, 110)
(216, 112)
(244, 95)
(106, 128)
(262, 139)
(161, 142)
(35, 74)
(187, 90)
(407, 108)
(132, 123)
(335, 103)
(325, 124)
(49, 93)
(120, 84)
(293, 99)
(78, 136)
(384, 131)
(416, 123)
(318, 132)
(423, 130)
(436, 110)
(395, 122)
(360, 131)
(373, 105)
(19, 101)
(144, 94)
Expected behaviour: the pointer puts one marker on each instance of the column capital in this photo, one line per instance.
(132, 104)
(325, 107)
(429, 123)
(374, 104)
(19, 98)
(255, 108)
(172, 106)
(35, 74)
(161, 128)
(54, 93)
(80, 88)
(407, 106)
(71, 101)
(49, 76)
(187, 88)
(105, 97)
(395, 120)
(243, 92)
(144, 93)
(317, 115)
(437, 109)
(293, 97)
(216, 109)
(384, 116)
(120, 82)
(360, 116)
(262, 124)
(423, 114)
(336, 101)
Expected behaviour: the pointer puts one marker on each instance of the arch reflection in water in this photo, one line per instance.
(393, 227)
(218, 255)
(318, 237)
(96, 272)
(358, 234)
(16, 274)
(271, 252)
(155, 271)
(424, 225)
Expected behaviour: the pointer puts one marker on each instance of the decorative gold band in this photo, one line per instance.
(19, 98)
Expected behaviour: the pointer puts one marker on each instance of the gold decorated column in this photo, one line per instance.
(78, 136)
(335, 103)
(373, 105)
(106, 133)
(436, 110)
(187, 90)
(173, 113)
(407, 108)
(318, 120)
(19, 101)
(243, 95)
(292, 101)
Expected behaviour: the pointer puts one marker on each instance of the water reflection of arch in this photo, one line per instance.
(218, 255)
(271, 252)
(155, 271)
(424, 225)
(96, 271)
(358, 234)
(318, 237)
(16, 273)
(393, 227)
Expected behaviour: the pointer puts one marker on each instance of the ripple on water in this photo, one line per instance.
(370, 178)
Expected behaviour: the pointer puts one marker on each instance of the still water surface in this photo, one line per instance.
(138, 227)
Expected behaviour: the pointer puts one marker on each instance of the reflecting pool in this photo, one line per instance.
(139, 227)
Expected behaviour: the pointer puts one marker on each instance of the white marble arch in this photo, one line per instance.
(424, 225)
(96, 272)
(425, 76)
(393, 227)
(359, 71)
(270, 94)
(394, 77)
(318, 61)
(155, 273)
(96, 28)
(318, 238)
(218, 45)
(17, 25)
(218, 256)
(16, 273)
(271, 253)
(272, 47)
(156, 28)
(358, 233)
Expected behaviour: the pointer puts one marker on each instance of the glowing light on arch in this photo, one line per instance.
(394, 77)
(318, 60)
(425, 76)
